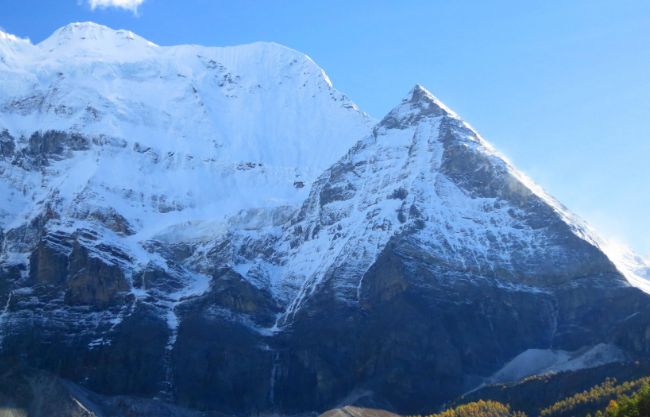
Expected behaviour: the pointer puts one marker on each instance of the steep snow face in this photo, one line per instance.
(169, 137)
(424, 177)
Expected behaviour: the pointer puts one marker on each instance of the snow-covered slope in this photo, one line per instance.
(426, 176)
(172, 136)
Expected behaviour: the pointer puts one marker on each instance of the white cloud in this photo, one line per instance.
(131, 5)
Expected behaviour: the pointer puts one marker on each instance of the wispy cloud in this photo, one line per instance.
(131, 5)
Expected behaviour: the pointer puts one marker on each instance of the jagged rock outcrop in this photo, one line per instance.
(86, 279)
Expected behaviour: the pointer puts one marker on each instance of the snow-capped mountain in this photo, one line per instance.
(171, 135)
(425, 173)
(221, 228)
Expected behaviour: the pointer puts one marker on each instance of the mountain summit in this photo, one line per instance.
(417, 104)
(221, 229)
(88, 40)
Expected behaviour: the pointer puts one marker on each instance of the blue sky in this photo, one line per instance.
(561, 87)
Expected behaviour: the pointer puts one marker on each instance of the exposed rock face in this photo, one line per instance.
(7, 144)
(42, 147)
(92, 282)
(48, 266)
(186, 258)
(219, 352)
(87, 280)
(417, 346)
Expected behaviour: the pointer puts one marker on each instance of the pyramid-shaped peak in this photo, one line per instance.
(419, 103)
(418, 92)
(421, 96)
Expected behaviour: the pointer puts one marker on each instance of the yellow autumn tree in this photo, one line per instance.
(480, 409)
